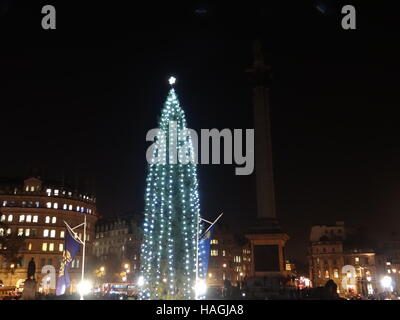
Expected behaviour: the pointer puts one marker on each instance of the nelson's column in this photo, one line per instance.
(266, 237)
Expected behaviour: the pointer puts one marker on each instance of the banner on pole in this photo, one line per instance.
(71, 248)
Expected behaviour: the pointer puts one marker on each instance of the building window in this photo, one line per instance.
(52, 233)
(214, 253)
(336, 273)
(223, 253)
(35, 219)
(22, 218)
(70, 207)
(62, 234)
(29, 218)
(20, 232)
(4, 203)
(27, 232)
(78, 208)
(32, 188)
(65, 206)
(10, 218)
(37, 203)
(44, 246)
(8, 231)
(357, 259)
(55, 205)
(3, 217)
(1, 232)
(54, 220)
(61, 247)
(48, 205)
(47, 220)
(214, 241)
(236, 259)
(45, 233)
(48, 191)
(29, 246)
(51, 246)
(327, 274)
(56, 192)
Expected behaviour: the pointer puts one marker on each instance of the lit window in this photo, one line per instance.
(29, 218)
(20, 232)
(70, 193)
(56, 192)
(62, 234)
(77, 263)
(29, 246)
(54, 220)
(78, 208)
(214, 241)
(48, 191)
(45, 233)
(335, 273)
(35, 219)
(214, 253)
(47, 219)
(48, 205)
(27, 188)
(4, 203)
(326, 274)
(3, 217)
(1, 232)
(55, 205)
(10, 218)
(37, 204)
(51, 246)
(8, 231)
(44, 246)
(82, 209)
(357, 259)
(65, 206)
(22, 218)
(70, 207)
(52, 233)
(27, 232)
(61, 247)
(32, 188)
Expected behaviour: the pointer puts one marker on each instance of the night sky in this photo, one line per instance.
(79, 101)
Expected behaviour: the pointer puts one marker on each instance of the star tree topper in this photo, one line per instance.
(172, 80)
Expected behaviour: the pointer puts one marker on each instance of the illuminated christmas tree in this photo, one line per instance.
(169, 250)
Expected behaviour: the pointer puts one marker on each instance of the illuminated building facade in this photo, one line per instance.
(333, 256)
(119, 238)
(230, 258)
(35, 210)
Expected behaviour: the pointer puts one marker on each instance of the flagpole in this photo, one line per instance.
(83, 254)
(197, 255)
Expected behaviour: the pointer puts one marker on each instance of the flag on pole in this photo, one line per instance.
(71, 248)
(205, 245)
